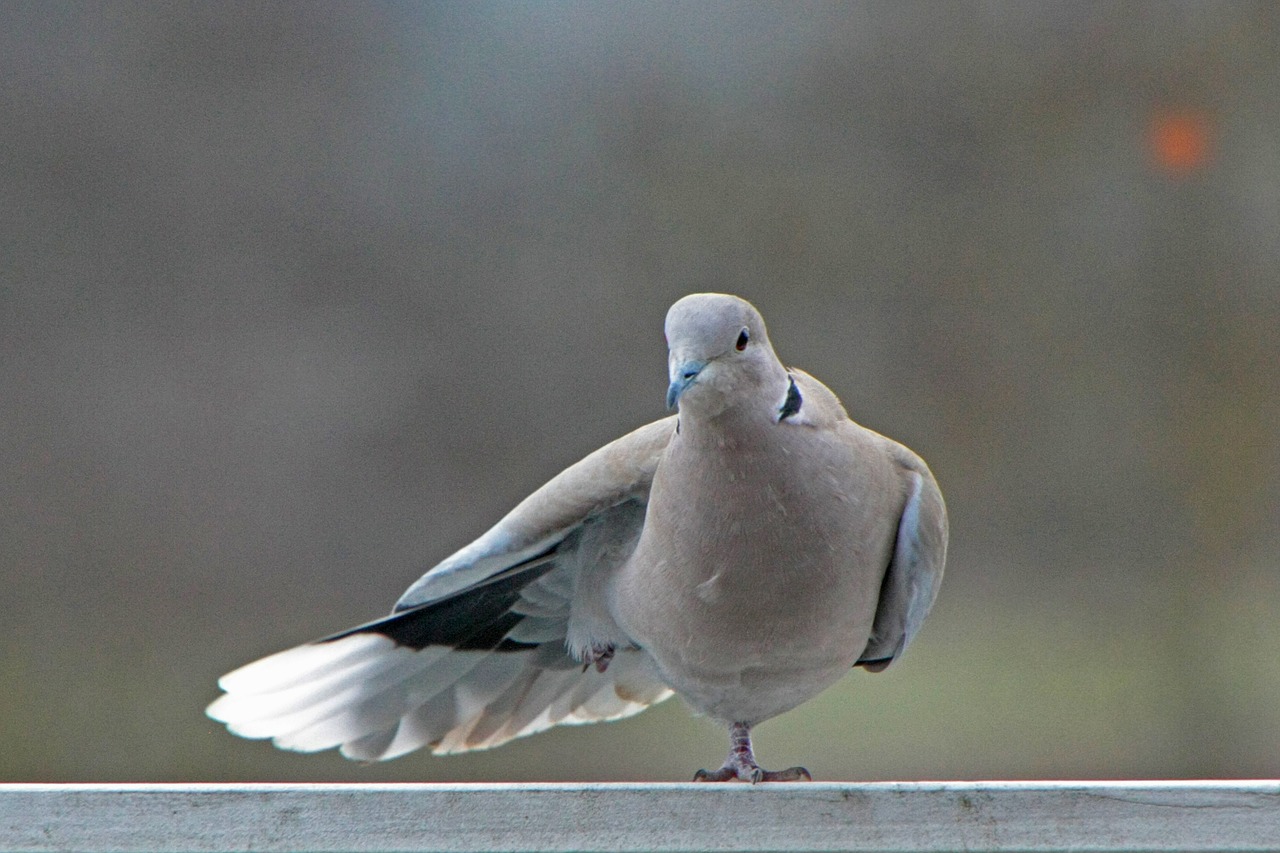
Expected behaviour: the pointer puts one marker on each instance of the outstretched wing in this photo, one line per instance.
(474, 654)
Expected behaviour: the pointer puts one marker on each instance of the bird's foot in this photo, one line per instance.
(752, 773)
(741, 764)
(791, 774)
(724, 774)
(598, 656)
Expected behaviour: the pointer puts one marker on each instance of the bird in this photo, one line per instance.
(744, 553)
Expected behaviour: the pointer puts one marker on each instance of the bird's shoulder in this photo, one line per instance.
(818, 405)
(619, 470)
(619, 473)
(821, 408)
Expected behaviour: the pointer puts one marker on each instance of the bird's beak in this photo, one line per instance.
(682, 376)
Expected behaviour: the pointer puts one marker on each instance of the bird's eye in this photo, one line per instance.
(743, 337)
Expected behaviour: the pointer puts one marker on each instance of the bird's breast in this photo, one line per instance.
(755, 567)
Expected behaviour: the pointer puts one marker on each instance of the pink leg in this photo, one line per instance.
(741, 763)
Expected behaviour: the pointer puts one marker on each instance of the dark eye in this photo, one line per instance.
(743, 337)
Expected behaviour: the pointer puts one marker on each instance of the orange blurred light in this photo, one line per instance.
(1179, 141)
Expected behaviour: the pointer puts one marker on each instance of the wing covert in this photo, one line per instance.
(914, 572)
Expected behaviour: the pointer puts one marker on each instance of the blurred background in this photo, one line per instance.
(299, 298)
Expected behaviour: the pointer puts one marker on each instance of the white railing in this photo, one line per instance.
(887, 816)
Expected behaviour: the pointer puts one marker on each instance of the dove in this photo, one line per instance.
(743, 553)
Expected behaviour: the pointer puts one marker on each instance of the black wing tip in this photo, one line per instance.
(474, 619)
(877, 665)
(418, 630)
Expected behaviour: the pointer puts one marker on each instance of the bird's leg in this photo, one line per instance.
(599, 656)
(741, 763)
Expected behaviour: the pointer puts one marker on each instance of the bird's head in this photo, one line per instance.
(717, 344)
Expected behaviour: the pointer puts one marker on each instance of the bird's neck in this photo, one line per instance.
(735, 422)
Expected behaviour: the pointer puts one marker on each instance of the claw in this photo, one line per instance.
(724, 774)
(791, 774)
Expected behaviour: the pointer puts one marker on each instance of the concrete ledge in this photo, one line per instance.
(890, 816)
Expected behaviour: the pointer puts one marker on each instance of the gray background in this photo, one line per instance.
(299, 298)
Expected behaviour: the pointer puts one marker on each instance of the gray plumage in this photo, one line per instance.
(744, 553)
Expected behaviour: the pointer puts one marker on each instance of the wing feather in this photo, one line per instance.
(474, 653)
(914, 573)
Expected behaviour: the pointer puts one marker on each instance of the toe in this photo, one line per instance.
(791, 774)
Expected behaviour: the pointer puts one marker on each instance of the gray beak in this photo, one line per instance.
(681, 378)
